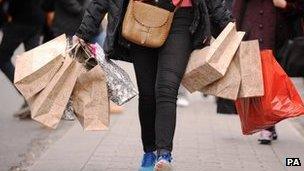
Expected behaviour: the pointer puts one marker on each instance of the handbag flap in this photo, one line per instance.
(149, 15)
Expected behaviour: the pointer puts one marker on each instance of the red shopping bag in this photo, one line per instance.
(281, 99)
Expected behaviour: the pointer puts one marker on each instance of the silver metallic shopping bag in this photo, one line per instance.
(120, 87)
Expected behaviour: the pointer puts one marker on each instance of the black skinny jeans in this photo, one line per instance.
(13, 35)
(159, 73)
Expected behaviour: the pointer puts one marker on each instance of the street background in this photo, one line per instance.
(204, 140)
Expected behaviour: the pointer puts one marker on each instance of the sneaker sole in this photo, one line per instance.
(265, 142)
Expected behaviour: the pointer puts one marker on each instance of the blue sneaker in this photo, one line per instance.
(164, 162)
(148, 162)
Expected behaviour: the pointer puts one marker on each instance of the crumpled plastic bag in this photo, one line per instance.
(281, 99)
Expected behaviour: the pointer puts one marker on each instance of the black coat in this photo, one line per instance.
(48, 5)
(3, 17)
(68, 16)
(116, 47)
(27, 12)
(228, 4)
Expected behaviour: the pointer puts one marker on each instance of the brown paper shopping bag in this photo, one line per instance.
(226, 87)
(211, 63)
(90, 100)
(248, 60)
(35, 68)
(48, 106)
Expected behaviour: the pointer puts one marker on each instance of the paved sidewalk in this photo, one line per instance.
(204, 141)
(21, 141)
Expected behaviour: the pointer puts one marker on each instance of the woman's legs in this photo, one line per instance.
(172, 61)
(159, 73)
(145, 65)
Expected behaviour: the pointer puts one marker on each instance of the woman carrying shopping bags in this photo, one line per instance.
(159, 70)
(269, 21)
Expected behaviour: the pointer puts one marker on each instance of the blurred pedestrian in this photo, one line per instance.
(269, 22)
(68, 16)
(24, 26)
(3, 13)
(158, 70)
(48, 7)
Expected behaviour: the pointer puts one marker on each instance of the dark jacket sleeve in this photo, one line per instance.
(48, 5)
(72, 6)
(220, 16)
(92, 18)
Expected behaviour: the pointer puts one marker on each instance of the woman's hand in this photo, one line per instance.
(76, 39)
(280, 3)
(91, 47)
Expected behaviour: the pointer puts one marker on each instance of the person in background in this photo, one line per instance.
(268, 21)
(48, 8)
(68, 16)
(24, 26)
(3, 16)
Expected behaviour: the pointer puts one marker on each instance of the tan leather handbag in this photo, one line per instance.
(147, 25)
